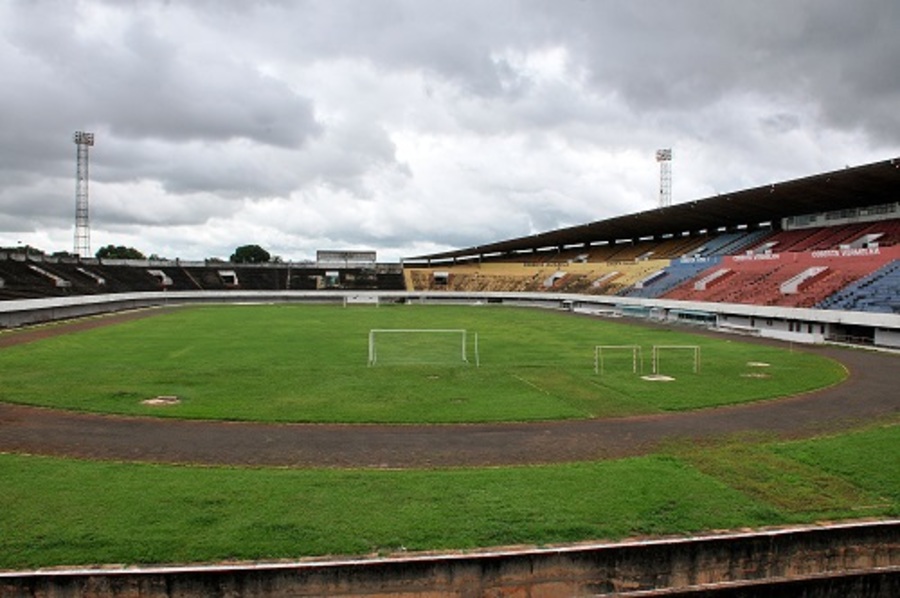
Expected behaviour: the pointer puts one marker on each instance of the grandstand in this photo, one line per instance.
(876, 292)
(35, 276)
(826, 242)
(820, 250)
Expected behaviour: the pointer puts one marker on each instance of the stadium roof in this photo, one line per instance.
(856, 187)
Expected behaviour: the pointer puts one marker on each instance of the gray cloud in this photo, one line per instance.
(411, 124)
(661, 55)
(141, 80)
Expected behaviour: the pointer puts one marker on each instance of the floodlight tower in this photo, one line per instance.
(82, 225)
(664, 157)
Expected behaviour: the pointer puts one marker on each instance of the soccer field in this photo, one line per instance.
(311, 363)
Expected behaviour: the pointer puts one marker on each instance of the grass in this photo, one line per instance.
(57, 511)
(866, 460)
(308, 363)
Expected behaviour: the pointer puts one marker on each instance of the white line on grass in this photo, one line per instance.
(531, 384)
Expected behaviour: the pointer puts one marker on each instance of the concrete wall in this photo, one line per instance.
(36, 311)
(887, 338)
(859, 559)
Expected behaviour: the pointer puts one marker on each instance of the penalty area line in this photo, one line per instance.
(531, 384)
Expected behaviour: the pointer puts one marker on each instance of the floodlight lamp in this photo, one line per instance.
(663, 155)
(82, 138)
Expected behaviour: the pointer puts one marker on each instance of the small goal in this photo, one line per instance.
(637, 358)
(423, 346)
(362, 299)
(693, 350)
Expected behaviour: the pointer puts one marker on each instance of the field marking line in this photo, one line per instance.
(531, 384)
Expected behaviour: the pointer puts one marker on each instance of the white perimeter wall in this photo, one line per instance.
(887, 338)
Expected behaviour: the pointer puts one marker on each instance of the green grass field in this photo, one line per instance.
(309, 363)
(56, 511)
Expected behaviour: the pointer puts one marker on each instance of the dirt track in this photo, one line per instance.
(870, 392)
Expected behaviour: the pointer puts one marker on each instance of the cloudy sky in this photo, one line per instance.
(415, 126)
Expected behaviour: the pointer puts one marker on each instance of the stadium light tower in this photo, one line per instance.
(82, 224)
(664, 157)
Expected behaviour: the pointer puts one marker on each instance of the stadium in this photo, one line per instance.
(784, 420)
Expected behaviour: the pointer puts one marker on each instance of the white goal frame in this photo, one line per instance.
(362, 299)
(637, 357)
(462, 332)
(694, 348)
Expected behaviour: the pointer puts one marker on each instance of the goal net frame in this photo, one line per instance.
(694, 348)
(637, 357)
(362, 299)
(463, 341)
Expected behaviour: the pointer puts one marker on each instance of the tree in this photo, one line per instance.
(113, 252)
(250, 254)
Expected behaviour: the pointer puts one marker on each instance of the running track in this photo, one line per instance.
(872, 391)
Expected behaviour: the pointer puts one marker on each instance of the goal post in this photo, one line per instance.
(637, 358)
(361, 299)
(693, 349)
(423, 346)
